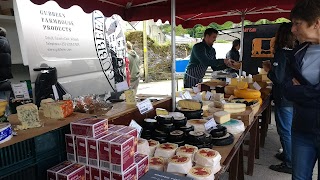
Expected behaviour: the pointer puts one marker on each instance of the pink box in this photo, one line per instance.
(121, 153)
(105, 174)
(52, 173)
(94, 173)
(130, 174)
(104, 150)
(116, 128)
(75, 171)
(90, 127)
(133, 132)
(82, 150)
(71, 147)
(142, 163)
(87, 172)
(92, 149)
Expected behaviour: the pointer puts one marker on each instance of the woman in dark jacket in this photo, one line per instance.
(234, 53)
(283, 110)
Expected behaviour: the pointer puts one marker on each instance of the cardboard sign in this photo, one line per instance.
(134, 124)
(20, 91)
(145, 106)
(211, 124)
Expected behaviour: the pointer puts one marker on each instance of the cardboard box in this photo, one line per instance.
(261, 78)
(142, 163)
(130, 174)
(116, 128)
(87, 172)
(104, 150)
(94, 173)
(246, 117)
(82, 150)
(93, 151)
(105, 174)
(90, 127)
(121, 153)
(52, 173)
(133, 132)
(75, 171)
(71, 147)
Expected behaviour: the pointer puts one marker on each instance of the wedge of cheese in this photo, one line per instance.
(189, 104)
(28, 115)
(161, 111)
(221, 117)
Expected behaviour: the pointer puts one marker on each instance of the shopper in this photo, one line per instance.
(303, 89)
(283, 110)
(134, 66)
(5, 68)
(202, 56)
(234, 53)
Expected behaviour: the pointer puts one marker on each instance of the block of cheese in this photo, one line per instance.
(161, 111)
(233, 105)
(207, 157)
(143, 147)
(28, 115)
(157, 163)
(189, 104)
(200, 173)
(130, 96)
(166, 150)
(179, 164)
(219, 97)
(234, 110)
(247, 93)
(214, 109)
(187, 150)
(198, 124)
(44, 106)
(221, 117)
(60, 109)
(152, 146)
(229, 89)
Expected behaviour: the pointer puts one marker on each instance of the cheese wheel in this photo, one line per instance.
(143, 147)
(201, 173)
(152, 146)
(179, 164)
(247, 93)
(187, 150)
(166, 150)
(157, 163)
(242, 85)
(207, 157)
(198, 124)
(229, 89)
(234, 126)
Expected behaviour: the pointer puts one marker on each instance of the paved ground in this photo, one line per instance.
(261, 169)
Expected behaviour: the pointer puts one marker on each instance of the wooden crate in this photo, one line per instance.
(260, 78)
(246, 117)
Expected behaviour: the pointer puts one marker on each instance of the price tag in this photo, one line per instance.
(55, 92)
(211, 124)
(134, 124)
(223, 102)
(20, 91)
(144, 106)
(187, 95)
(196, 89)
(228, 80)
(122, 86)
(256, 86)
(209, 96)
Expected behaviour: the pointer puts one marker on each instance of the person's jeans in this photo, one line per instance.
(305, 153)
(283, 118)
(6, 96)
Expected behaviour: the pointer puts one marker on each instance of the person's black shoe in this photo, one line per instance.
(281, 168)
(280, 156)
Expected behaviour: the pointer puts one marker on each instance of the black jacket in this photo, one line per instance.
(234, 55)
(277, 76)
(5, 59)
(306, 97)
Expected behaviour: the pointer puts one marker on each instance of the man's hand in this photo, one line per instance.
(233, 64)
(227, 62)
(295, 82)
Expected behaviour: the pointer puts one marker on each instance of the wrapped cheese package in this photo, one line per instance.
(207, 157)
(166, 150)
(179, 164)
(187, 150)
(198, 124)
(200, 173)
(157, 163)
(152, 146)
(143, 147)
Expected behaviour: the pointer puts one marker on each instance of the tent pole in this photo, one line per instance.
(173, 53)
(243, 14)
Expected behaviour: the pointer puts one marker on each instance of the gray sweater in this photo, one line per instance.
(311, 63)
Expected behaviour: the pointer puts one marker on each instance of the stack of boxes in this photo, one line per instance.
(104, 153)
